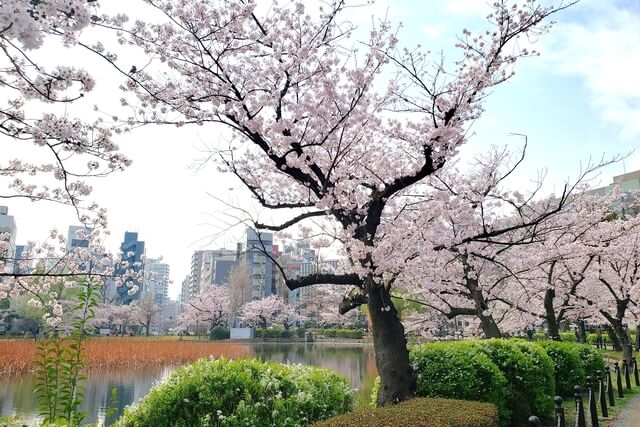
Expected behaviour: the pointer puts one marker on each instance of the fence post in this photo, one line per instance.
(559, 410)
(593, 408)
(600, 376)
(618, 380)
(580, 420)
(534, 421)
(627, 376)
(612, 400)
(635, 371)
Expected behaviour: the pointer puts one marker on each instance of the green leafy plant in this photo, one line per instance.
(567, 364)
(460, 371)
(242, 392)
(529, 373)
(58, 362)
(219, 333)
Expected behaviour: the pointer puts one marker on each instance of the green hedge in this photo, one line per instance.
(592, 360)
(529, 373)
(459, 370)
(420, 412)
(567, 364)
(219, 333)
(242, 392)
(569, 337)
(354, 334)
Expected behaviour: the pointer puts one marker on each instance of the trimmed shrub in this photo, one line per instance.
(420, 412)
(592, 361)
(539, 336)
(219, 333)
(567, 365)
(545, 385)
(354, 334)
(570, 337)
(273, 333)
(286, 334)
(329, 333)
(529, 373)
(301, 332)
(460, 371)
(242, 392)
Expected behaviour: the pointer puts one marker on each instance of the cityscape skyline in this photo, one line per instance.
(585, 69)
(212, 266)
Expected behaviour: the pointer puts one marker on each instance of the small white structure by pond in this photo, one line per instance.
(242, 333)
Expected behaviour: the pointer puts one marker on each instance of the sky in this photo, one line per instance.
(577, 102)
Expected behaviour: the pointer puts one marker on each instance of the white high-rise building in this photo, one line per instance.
(209, 267)
(8, 225)
(156, 280)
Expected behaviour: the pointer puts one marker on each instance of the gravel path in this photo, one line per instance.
(630, 415)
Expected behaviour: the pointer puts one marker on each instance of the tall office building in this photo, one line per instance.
(22, 256)
(8, 225)
(184, 291)
(209, 267)
(216, 266)
(254, 253)
(77, 237)
(132, 251)
(156, 280)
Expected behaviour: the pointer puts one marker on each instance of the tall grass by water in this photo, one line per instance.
(16, 356)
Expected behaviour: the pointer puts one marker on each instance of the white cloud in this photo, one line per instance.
(605, 53)
(434, 31)
(465, 7)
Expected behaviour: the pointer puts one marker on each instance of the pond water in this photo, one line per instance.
(356, 362)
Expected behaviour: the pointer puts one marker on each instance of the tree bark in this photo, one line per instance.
(615, 342)
(623, 338)
(489, 327)
(553, 327)
(487, 322)
(582, 332)
(392, 356)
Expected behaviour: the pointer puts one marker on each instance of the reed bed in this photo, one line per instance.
(16, 356)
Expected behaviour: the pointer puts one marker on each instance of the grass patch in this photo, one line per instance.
(614, 411)
(420, 412)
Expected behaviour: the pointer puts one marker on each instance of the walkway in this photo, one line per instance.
(630, 415)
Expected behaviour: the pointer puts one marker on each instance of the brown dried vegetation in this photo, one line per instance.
(16, 356)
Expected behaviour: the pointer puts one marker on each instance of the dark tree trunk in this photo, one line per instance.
(582, 332)
(146, 328)
(553, 327)
(489, 327)
(487, 322)
(615, 342)
(624, 340)
(392, 356)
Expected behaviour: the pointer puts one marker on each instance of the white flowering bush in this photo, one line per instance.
(245, 392)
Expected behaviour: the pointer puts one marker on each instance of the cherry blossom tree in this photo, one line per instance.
(212, 306)
(317, 128)
(146, 312)
(268, 310)
(68, 149)
(52, 270)
(612, 289)
(449, 269)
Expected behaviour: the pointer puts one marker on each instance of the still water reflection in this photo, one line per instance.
(356, 362)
